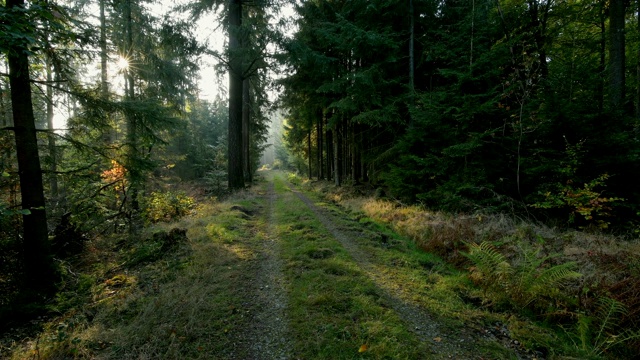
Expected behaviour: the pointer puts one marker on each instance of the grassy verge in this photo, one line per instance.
(336, 312)
(523, 279)
(147, 302)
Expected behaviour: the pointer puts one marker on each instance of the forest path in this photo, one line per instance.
(268, 334)
(273, 272)
(431, 338)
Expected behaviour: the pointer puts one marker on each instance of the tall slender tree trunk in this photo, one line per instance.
(38, 260)
(104, 84)
(135, 177)
(235, 171)
(329, 154)
(309, 157)
(246, 128)
(337, 154)
(320, 149)
(109, 135)
(638, 66)
(353, 149)
(411, 51)
(603, 57)
(51, 138)
(616, 55)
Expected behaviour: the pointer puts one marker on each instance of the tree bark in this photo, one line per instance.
(337, 157)
(109, 136)
(104, 85)
(309, 158)
(603, 57)
(51, 139)
(616, 55)
(638, 66)
(411, 51)
(134, 174)
(235, 172)
(329, 154)
(38, 260)
(319, 138)
(246, 134)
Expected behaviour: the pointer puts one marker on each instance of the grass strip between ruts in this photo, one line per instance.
(336, 312)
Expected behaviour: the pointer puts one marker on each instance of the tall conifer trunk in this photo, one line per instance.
(235, 171)
(132, 138)
(319, 140)
(603, 57)
(638, 66)
(104, 85)
(246, 130)
(38, 260)
(616, 55)
(337, 156)
(51, 138)
(329, 154)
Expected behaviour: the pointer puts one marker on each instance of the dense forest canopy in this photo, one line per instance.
(525, 106)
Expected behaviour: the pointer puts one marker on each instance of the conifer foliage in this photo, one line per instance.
(470, 104)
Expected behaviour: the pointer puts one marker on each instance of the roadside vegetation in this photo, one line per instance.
(561, 293)
(169, 294)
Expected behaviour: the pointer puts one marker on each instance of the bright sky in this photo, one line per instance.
(207, 30)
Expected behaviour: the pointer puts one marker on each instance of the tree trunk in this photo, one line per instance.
(235, 172)
(319, 145)
(53, 167)
(309, 150)
(638, 67)
(38, 260)
(104, 85)
(603, 57)
(109, 136)
(246, 135)
(329, 154)
(411, 52)
(616, 55)
(337, 157)
(135, 177)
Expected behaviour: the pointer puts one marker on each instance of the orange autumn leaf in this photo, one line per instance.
(363, 348)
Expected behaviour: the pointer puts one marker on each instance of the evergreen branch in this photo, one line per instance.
(217, 55)
(70, 171)
(83, 145)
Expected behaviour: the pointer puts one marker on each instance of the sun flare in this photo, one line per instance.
(122, 64)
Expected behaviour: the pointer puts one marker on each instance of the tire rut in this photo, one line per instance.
(446, 343)
(268, 334)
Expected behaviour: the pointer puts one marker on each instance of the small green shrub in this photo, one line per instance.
(585, 201)
(167, 206)
(294, 179)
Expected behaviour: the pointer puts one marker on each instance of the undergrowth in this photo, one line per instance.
(162, 294)
(563, 293)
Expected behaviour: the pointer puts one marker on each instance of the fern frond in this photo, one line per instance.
(584, 331)
(554, 275)
(487, 259)
(608, 311)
